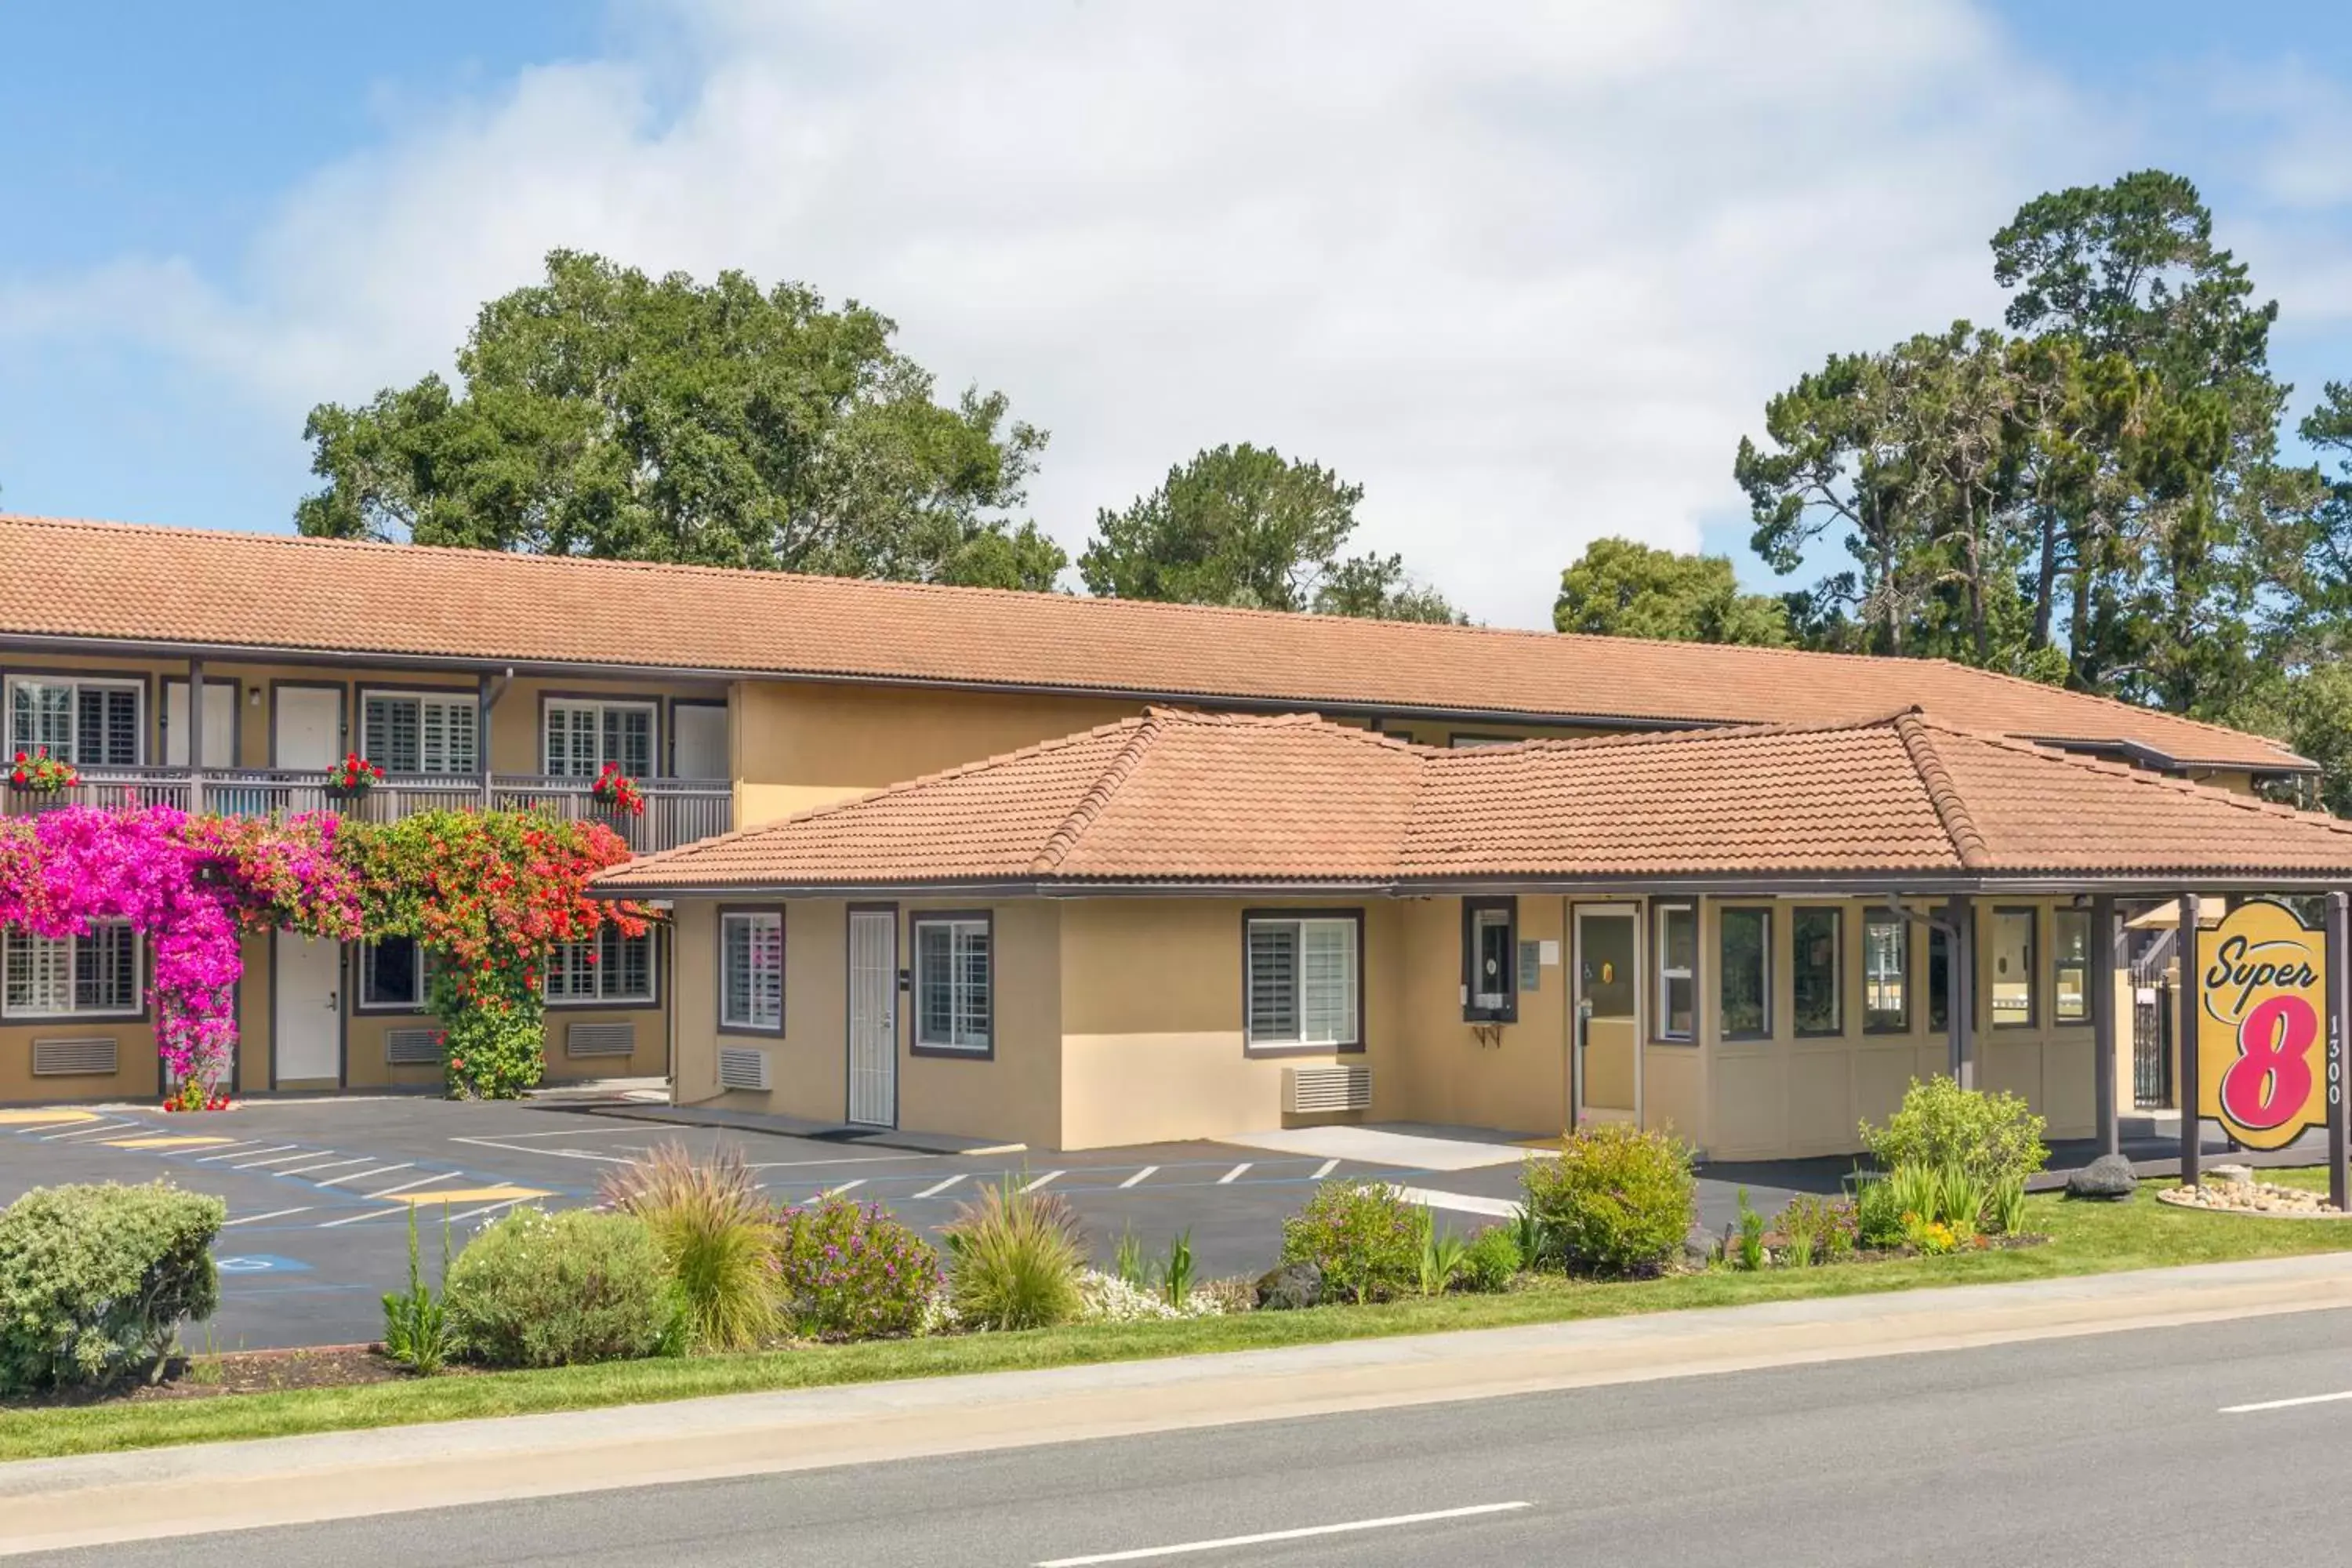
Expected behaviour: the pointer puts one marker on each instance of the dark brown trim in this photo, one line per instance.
(915, 921)
(1298, 912)
(1837, 964)
(357, 981)
(654, 743)
(670, 707)
(149, 703)
(2032, 913)
(1744, 1036)
(342, 691)
(1508, 1013)
(1903, 919)
(784, 971)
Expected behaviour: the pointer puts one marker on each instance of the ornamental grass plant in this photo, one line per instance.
(711, 1224)
(1014, 1260)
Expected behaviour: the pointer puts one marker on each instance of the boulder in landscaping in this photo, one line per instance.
(1293, 1285)
(2109, 1176)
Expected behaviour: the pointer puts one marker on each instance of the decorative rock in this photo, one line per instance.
(2250, 1197)
(2229, 1176)
(2108, 1176)
(1293, 1285)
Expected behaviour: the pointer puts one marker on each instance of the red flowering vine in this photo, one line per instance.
(617, 791)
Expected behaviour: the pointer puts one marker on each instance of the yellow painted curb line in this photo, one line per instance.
(464, 1195)
(44, 1118)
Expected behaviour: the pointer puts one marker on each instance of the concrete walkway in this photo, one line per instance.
(90, 1500)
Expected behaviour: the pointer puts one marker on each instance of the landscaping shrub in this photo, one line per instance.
(844, 1272)
(1815, 1229)
(1015, 1258)
(1990, 1136)
(1878, 1211)
(1491, 1262)
(1364, 1238)
(1617, 1201)
(416, 1331)
(536, 1289)
(95, 1280)
(1442, 1253)
(711, 1222)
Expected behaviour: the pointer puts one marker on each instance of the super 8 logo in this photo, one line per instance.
(2261, 1030)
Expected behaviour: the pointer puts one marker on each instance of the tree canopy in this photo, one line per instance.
(1623, 588)
(1244, 526)
(608, 414)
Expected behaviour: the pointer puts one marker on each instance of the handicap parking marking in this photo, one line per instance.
(260, 1263)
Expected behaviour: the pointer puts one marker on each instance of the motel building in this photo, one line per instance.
(1077, 873)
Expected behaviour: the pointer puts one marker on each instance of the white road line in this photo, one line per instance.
(836, 1192)
(548, 1153)
(378, 1214)
(2286, 1403)
(86, 1132)
(1145, 1553)
(412, 1186)
(282, 1160)
(1325, 1169)
(241, 1153)
(488, 1208)
(363, 1175)
(330, 1165)
(1040, 1180)
(847, 1159)
(273, 1213)
(1140, 1176)
(936, 1188)
(574, 1132)
(1461, 1202)
(1227, 1179)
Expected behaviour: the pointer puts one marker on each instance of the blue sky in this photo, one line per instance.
(1529, 284)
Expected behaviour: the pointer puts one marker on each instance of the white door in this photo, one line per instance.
(698, 742)
(307, 1028)
(307, 730)
(874, 1018)
(220, 724)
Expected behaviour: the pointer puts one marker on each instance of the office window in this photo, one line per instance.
(92, 975)
(1744, 974)
(1489, 975)
(610, 967)
(581, 737)
(1885, 973)
(414, 732)
(1677, 970)
(1300, 980)
(89, 723)
(2012, 968)
(2071, 930)
(1814, 936)
(751, 971)
(955, 997)
(1940, 979)
(392, 973)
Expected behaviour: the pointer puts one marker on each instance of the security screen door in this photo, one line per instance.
(874, 1018)
(1609, 1023)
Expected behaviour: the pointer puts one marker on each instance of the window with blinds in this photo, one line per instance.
(751, 971)
(95, 975)
(954, 984)
(581, 737)
(89, 723)
(611, 968)
(1300, 980)
(406, 732)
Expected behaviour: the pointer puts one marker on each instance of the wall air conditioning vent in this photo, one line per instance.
(601, 1040)
(1310, 1092)
(91, 1056)
(742, 1067)
(412, 1047)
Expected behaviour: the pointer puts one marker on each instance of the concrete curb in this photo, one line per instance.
(49, 1504)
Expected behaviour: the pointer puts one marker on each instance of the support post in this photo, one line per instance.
(2184, 1045)
(2339, 1034)
(1960, 981)
(196, 736)
(486, 697)
(2107, 937)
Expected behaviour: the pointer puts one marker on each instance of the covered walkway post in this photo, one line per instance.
(2184, 1046)
(1960, 988)
(2107, 942)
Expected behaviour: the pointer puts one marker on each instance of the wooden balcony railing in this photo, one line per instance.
(678, 811)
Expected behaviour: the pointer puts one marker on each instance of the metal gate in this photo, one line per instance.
(874, 1018)
(2152, 1020)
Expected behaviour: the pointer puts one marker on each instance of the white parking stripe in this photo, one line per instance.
(1224, 1543)
(241, 1153)
(2286, 1403)
(273, 1213)
(86, 1132)
(488, 1208)
(330, 1165)
(1040, 1180)
(836, 1192)
(363, 1175)
(1227, 1179)
(282, 1160)
(1462, 1202)
(1325, 1169)
(1140, 1176)
(936, 1188)
(548, 1153)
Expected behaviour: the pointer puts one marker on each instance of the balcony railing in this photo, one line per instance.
(678, 811)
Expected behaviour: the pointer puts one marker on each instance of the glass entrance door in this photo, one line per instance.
(1608, 1016)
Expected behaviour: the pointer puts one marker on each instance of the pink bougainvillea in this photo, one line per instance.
(192, 887)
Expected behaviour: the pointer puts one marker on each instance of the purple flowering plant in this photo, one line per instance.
(848, 1272)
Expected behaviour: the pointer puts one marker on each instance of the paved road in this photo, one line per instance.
(2105, 1449)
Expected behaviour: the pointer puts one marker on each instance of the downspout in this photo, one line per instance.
(1566, 1013)
(485, 700)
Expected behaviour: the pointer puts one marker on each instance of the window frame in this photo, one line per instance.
(553, 702)
(2059, 1017)
(775, 913)
(1764, 1032)
(1252, 1046)
(1902, 923)
(651, 997)
(364, 954)
(1662, 1011)
(448, 696)
(916, 1043)
(2032, 1019)
(1507, 906)
(143, 712)
(135, 1013)
(1836, 913)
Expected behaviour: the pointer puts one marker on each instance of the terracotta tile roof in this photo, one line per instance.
(1180, 798)
(273, 592)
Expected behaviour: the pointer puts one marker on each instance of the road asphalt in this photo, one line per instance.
(2105, 1448)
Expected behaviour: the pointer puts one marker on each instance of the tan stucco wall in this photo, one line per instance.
(1443, 1071)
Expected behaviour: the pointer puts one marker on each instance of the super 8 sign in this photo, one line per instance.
(2261, 1032)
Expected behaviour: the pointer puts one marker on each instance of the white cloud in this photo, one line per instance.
(1526, 272)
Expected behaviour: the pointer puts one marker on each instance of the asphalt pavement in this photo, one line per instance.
(2146, 1448)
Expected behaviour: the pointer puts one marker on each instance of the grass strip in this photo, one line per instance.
(2086, 1239)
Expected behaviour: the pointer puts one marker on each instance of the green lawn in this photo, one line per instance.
(2085, 1239)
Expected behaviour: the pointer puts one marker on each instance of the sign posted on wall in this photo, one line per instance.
(2266, 1063)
